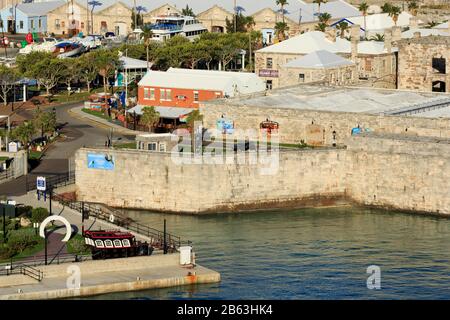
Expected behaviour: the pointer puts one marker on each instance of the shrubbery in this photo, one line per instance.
(19, 240)
(39, 214)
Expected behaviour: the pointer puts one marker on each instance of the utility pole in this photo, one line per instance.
(235, 16)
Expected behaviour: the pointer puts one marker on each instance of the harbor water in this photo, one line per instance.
(311, 254)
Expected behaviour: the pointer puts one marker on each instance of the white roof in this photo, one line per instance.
(425, 32)
(442, 26)
(295, 8)
(316, 40)
(247, 82)
(36, 9)
(131, 63)
(229, 83)
(319, 59)
(381, 21)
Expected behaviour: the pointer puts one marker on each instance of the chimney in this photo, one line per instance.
(388, 41)
(354, 34)
(330, 34)
(396, 33)
(416, 34)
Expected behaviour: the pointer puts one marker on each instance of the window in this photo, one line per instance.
(168, 95)
(32, 24)
(195, 96)
(368, 65)
(103, 25)
(269, 85)
(63, 24)
(269, 63)
(149, 93)
(438, 64)
(57, 23)
(165, 94)
(162, 147)
(152, 146)
(40, 24)
(82, 25)
(301, 77)
(20, 24)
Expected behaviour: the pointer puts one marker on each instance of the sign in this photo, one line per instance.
(226, 126)
(13, 147)
(41, 184)
(268, 73)
(100, 161)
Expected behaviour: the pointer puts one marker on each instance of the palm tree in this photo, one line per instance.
(412, 6)
(325, 18)
(94, 4)
(386, 8)
(24, 133)
(377, 37)
(394, 13)
(320, 26)
(280, 30)
(319, 2)
(193, 117)
(150, 117)
(342, 27)
(249, 24)
(363, 8)
(282, 3)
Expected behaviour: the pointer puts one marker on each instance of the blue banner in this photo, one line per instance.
(100, 161)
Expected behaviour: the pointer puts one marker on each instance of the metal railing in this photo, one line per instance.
(6, 174)
(52, 181)
(99, 212)
(32, 272)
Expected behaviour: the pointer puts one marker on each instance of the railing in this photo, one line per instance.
(97, 211)
(53, 181)
(6, 174)
(32, 272)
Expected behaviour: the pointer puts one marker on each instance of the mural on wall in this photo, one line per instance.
(226, 126)
(100, 161)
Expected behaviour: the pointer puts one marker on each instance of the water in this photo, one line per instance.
(311, 254)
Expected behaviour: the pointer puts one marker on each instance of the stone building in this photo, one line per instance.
(319, 66)
(375, 61)
(424, 63)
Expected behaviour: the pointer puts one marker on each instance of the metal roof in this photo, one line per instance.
(319, 59)
(36, 9)
(131, 63)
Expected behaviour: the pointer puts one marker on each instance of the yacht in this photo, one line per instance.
(171, 25)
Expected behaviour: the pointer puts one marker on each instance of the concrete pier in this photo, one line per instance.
(106, 276)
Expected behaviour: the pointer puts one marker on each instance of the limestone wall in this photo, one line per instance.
(156, 181)
(294, 123)
(405, 174)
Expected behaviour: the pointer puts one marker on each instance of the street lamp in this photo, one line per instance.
(8, 132)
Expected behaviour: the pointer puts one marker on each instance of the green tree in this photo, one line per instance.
(319, 3)
(377, 37)
(8, 78)
(394, 13)
(386, 7)
(24, 133)
(325, 18)
(39, 214)
(363, 8)
(342, 27)
(282, 4)
(72, 71)
(88, 69)
(107, 63)
(150, 117)
(194, 116)
(280, 30)
(321, 26)
(241, 24)
(139, 19)
(188, 11)
(413, 7)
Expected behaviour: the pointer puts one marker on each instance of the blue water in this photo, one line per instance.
(311, 254)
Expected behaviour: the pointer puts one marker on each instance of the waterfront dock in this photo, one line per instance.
(106, 276)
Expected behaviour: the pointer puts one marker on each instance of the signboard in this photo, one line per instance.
(268, 73)
(100, 161)
(41, 184)
(226, 126)
(13, 147)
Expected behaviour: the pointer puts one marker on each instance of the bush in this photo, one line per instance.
(24, 211)
(7, 252)
(19, 240)
(77, 246)
(39, 214)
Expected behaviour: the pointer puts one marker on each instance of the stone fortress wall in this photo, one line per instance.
(402, 172)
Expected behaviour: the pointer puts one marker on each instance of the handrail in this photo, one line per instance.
(157, 236)
(53, 181)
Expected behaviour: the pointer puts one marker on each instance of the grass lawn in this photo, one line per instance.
(3, 159)
(71, 248)
(96, 113)
(130, 145)
(62, 97)
(34, 155)
(28, 251)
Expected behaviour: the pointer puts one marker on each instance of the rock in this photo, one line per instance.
(25, 222)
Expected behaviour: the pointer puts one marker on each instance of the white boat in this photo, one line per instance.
(66, 49)
(169, 26)
(46, 46)
(89, 42)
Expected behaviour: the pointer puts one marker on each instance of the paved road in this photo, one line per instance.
(56, 160)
